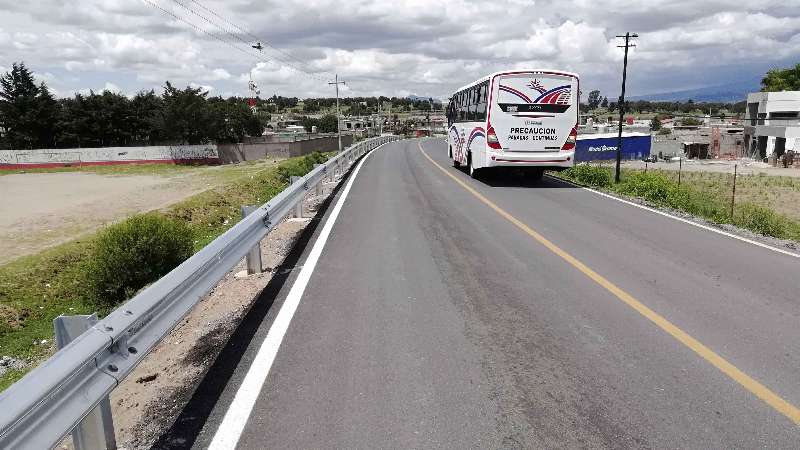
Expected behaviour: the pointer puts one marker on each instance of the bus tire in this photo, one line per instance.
(535, 174)
(473, 172)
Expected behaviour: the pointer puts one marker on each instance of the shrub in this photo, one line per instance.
(300, 167)
(131, 254)
(589, 175)
(653, 187)
(760, 220)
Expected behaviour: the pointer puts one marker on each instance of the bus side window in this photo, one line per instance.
(473, 103)
(449, 114)
(483, 89)
(462, 110)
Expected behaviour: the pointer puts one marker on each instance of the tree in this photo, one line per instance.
(604, 104)
(27, 111)
(594, 99)
(782, 80)
(310, 106)
(655, 124)
(185, 116)
(231, 120)
(145, 116)
(328, 124)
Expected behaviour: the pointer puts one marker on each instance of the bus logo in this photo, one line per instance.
(536, 85)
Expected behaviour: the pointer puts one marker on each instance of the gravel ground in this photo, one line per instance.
(9, 363)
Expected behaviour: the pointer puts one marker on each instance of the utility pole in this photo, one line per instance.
(336, 83)
(380, 116)
(627, 45)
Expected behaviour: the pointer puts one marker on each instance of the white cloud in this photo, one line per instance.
(394, 47)
(219, 74)
(111, 87)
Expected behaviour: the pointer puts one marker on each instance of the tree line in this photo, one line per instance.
(31, 117)
(595, 101)
(774, 80)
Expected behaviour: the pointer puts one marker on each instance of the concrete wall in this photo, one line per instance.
(233, 153)
(174, 154)
(171, 154)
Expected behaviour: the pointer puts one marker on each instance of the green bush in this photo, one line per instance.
(653, 187)
(300, 167)
(131, 254)
(760, 220)
(589, 175)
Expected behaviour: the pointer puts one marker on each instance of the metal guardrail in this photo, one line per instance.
(49, 402)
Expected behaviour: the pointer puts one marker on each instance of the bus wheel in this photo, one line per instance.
(473, 172)
(456, 164)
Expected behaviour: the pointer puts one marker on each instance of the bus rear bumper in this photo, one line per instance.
(555, 160)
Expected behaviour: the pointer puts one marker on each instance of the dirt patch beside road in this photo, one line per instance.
(718, 166)
(40, 210)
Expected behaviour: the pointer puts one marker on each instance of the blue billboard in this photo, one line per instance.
(595, 147)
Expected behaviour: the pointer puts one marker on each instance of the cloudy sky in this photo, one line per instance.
(392, 47)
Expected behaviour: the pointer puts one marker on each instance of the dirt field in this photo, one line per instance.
(717, 166)
(39, 210)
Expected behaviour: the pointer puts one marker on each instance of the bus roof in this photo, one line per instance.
(515, 71)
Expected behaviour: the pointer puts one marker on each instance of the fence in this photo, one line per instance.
(70, 389)
(254, 150)
(176, 154)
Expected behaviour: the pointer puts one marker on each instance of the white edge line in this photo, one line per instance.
(230, 430)
(680, 219)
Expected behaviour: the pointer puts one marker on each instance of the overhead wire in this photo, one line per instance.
(258, 58)
(239, 38)
(257, 38)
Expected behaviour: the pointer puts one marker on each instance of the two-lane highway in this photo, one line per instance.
(441, 311)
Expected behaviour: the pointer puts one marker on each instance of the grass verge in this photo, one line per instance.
(706, 195)
(37, 288)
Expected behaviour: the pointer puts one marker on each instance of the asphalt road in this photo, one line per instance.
(434, 321)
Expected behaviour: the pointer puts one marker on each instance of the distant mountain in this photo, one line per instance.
(729, 92)
(415, 98)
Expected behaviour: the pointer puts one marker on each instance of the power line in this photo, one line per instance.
(259, 39)
(197, 28)
(207, 20)
(236, 36)
(224, 41)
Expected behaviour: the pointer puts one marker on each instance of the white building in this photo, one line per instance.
(772, 123)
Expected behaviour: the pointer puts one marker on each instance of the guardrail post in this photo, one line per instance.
(253, 258)
(96, 430)
(318, 187)
(298, 208)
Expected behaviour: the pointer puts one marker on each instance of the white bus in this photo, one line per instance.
(522, 118)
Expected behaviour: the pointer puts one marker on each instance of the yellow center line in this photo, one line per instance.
(746, 381)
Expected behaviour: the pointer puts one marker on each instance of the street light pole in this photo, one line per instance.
(336, 83)
(621, 105)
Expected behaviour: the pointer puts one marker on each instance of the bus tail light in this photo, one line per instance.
(491, 139)
(571, 140)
